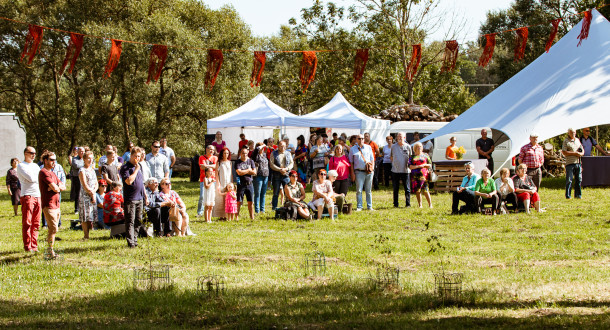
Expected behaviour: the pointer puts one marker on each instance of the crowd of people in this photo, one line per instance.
(125, 189)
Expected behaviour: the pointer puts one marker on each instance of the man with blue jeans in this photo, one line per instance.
(259, 156)
(572, 149)
(280, 163)
(359, 155)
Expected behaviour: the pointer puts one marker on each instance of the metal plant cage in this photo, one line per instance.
(386, 277)
(153, 277)
(211, 285)
(315, 264)
(448, 286)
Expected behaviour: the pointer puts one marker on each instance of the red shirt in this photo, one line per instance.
(48, 198)
(341, 165)
(270, 150)
(242, 143)
(532, 156)
(113, 207)
(207, 161)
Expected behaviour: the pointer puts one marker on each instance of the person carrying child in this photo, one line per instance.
(230, 202)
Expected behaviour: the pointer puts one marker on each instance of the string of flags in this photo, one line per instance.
(309, 61)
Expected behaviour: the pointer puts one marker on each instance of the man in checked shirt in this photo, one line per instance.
(532, 155)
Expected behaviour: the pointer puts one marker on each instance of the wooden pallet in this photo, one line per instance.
(449, 177)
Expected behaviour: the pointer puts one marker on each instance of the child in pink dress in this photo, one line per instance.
(230, 202)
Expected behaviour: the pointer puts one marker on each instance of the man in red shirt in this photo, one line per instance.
(532, 155)
(242, 142)
(376, 155)
(50, 188)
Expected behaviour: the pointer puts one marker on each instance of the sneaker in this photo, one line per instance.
(371, 209)
(358, 210)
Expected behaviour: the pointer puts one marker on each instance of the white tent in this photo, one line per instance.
(567, 87)
(341, 115)
(256, 119)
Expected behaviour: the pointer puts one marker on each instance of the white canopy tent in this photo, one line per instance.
(567, 87)
(256, 119)
(341, 116)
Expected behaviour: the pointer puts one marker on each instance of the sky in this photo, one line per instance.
(266, 16)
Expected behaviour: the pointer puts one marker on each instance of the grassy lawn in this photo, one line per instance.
(520, 271)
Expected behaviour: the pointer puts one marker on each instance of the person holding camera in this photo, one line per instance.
(572, 149)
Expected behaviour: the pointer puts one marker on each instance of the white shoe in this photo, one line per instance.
(371, 209)
(358, 210)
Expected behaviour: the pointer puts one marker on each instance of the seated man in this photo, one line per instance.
(153, 208)
(465, 192)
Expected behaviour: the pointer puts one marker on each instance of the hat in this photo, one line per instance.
(533, 134)
(102, 182)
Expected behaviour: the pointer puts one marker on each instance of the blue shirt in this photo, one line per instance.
(154, 199)
(470, 183)
(159, 165)
(135, 190)
(126, 156)
(357, 159)
(588, 144)
(99, 199)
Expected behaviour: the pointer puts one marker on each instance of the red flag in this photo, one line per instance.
(158, 55)
(488, 52)
(362, 56)
(113, 57)
(258, 66)
(72, 51)
(520, 43)
(309, 64)
(32, 42)
(451, 54)
(586, 24)
(215, 60)
(414, 63)
(549, 42)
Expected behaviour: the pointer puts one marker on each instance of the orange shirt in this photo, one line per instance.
(375, 148)
(450, 152)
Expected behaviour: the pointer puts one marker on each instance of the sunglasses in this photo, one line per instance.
(156, 146)
(322, 174)
(52, 159)
(31, 153)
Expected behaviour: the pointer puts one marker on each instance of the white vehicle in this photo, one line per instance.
(466, 138)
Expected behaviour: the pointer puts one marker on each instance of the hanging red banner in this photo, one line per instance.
(113, 57)
(72, 51)
(309, 64)
(32, 42)
(586, 24)
(490, 44)
(520, 43)
(258, 65)
(215, 60)
(362, 56)
(551, 39)
(414, 63)
(158, 56)
(450, 57)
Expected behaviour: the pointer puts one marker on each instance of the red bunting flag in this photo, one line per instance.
(520, 43)
(258, 66)
(551, 40)
(113, 57)
(309, 64)
(72, 51)
(362, 56)
(215, 60)
(490, 44)
(32, 42)
(158, 55)
(586, 24)
(414, 63)
(451, 54)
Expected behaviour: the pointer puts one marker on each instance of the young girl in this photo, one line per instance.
(113, 201)
(209, 184)
(230, 202)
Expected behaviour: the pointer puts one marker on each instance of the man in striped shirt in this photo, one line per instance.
(532, 155)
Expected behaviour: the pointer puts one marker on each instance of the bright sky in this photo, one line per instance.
(266, 16)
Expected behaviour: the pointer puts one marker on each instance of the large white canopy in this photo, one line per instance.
(567, 87)
(340, 114)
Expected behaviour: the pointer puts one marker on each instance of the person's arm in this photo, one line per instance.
(289, 162)
(253, 168)
(130, 179)
(272, 163)
(522, 154)
(105, 175)
(351, 169)
(493, 147)
(601, 150)
(477, 187)
(172, 158)
(166, 168)
(288, 195)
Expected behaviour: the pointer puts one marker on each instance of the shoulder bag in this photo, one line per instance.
(368, 168)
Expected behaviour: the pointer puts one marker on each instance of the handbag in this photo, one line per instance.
(433, 176)
(368, 167)
(174, 215)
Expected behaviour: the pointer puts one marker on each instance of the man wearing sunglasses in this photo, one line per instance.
(50, 188)
(27, 171)
(158, 163)
(359, 155)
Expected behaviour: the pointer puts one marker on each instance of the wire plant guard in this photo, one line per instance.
(152, 277)
(211, 285)
(315, 264)
(448, 286)
(386, 277)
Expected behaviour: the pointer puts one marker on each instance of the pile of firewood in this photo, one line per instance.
(413, 112)
(183, 164)
(554, 161)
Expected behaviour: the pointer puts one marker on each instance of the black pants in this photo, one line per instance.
(512, 200)
(377, 172)
(341, 186)
(157, 218)
(493, 200)
(404, 177)
(465, 197)
(387, 173)
(75, 192)
(133, 221)
(490, 165)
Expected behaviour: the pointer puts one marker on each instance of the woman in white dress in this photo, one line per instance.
(87, 207)
(224, 176)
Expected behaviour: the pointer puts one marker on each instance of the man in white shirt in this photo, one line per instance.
(158, 163)
(27, 171)
(169, 153)
(359, 155)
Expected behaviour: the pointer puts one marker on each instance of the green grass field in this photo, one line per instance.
(520, 271)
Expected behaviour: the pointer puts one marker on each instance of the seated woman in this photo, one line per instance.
(159, 221)
(525, 189)
(295, 194)
(485, 192)
(182, 220)
(338, 197)
(323, 195)
(506, 190)
(113, 205)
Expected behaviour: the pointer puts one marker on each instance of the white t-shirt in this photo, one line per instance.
(28, 177)
(503, 191)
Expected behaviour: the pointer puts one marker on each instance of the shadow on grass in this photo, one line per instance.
(336, 305)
